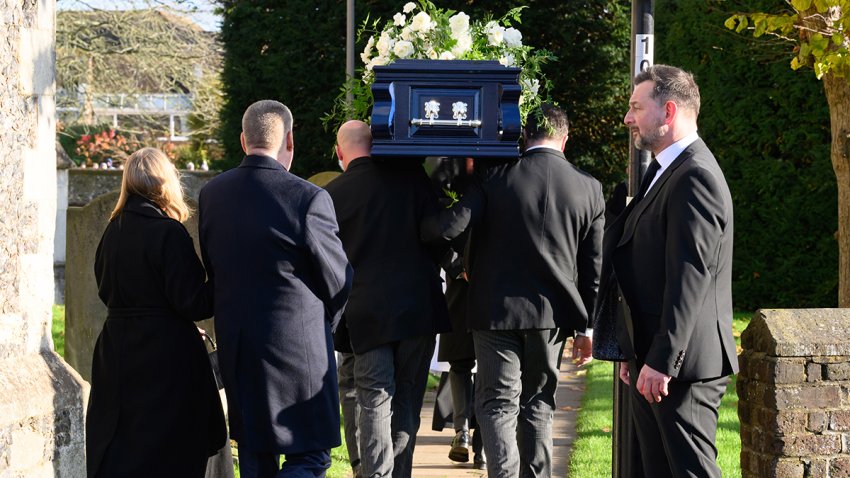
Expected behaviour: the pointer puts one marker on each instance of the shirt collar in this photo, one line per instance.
(665, 158)
(540, 146)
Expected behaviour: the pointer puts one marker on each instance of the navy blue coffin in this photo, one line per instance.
(450, 108)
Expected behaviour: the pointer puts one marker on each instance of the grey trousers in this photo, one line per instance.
(350, 409)
(515, 399)
(391, 382)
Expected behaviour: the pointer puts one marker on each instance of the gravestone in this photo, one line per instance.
(84, 312)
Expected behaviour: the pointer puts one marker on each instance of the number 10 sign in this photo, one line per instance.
(644, 50)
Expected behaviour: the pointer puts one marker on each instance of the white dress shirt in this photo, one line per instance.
(665, 158)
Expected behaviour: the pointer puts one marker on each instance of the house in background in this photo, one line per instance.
(144, 71)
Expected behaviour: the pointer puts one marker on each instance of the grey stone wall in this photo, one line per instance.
(84, 185)
(41, 398)
(794, 394)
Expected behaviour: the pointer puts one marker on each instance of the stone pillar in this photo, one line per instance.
(794, 394)
(41, 398)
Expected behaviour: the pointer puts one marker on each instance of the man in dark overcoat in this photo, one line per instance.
(396, 305)
(672, 254)
(534, 262)
(270, 244)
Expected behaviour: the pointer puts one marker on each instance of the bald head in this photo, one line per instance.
(353, 140)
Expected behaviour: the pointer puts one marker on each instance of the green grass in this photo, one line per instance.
(58, 329)
(591, 454)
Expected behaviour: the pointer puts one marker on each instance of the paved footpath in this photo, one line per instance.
(432, 448)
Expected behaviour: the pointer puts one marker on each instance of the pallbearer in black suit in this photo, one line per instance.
(672, 251)
(534, 263)
(396, 305)
(269, 241)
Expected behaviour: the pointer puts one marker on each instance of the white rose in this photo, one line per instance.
(463, 45)
(495, 33)
(459, 24)
(513, 37)
(409, 7)
(368, 50)
(403, 49)
(399, 19)
(447, 55)
(385, 44)
(531, 86)
(421, 22)
(407, 34)
(377, 61)
(507, 60)
(432, 54)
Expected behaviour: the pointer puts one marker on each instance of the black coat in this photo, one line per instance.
(397, 292)
(672, 253)
(535, 250)
(457, 344)
(154, 408)
(269, 241)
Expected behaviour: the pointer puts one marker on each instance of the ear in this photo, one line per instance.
(290, 143)
(671, 109)
(564, 141)
(338, 152)
(242, 142)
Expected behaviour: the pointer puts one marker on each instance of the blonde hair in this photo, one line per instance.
(266, 124)
(150, 174)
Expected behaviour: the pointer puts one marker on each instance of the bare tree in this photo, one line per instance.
(136, 53)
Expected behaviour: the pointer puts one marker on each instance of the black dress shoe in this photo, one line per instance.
(480, 460)
(460, 447)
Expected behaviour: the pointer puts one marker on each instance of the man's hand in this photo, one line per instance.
(582, 350)
(624, 373)
(652, 384)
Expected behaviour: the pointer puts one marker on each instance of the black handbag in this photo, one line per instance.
(212, 351)
(605, 344)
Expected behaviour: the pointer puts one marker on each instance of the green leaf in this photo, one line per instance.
(743, 22)
(730, 22)
(795, 63)
(761, 26)
(819, 44)
(819, 69)
(801, 5)
(838, 39)
(821, 5)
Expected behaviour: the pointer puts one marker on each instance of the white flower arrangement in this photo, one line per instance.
(423, 31)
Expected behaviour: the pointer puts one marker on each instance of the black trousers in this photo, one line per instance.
(684, 424)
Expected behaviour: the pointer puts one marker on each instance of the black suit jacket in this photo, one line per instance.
(397, 291)
(536, 244)
(269, 241)
(672, 253)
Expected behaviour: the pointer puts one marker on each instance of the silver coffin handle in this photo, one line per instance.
(439, 122)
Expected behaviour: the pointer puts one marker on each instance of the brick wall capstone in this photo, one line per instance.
(794, 394)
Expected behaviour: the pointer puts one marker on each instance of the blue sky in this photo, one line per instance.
(201, 11)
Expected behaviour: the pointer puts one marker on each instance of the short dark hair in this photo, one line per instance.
(672, 84)
(549, 121)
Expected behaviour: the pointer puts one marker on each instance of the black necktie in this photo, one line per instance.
(651, 171)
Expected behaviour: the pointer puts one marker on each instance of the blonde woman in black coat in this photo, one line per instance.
(154, 408)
